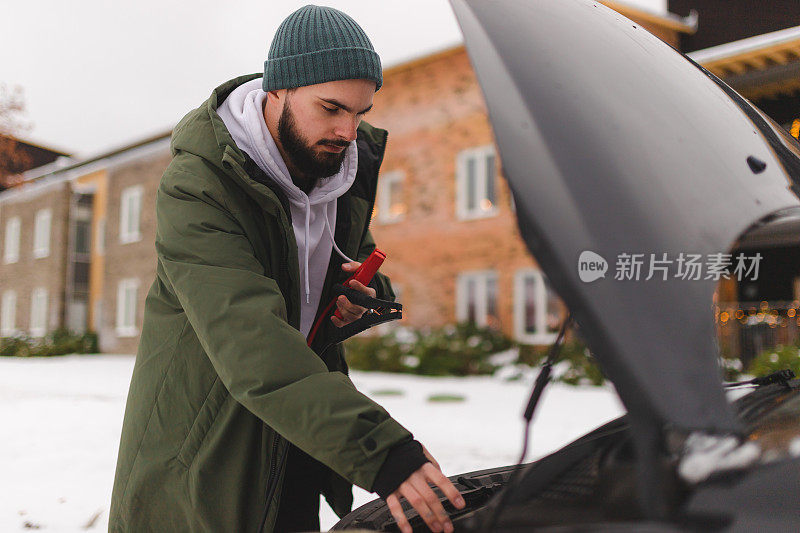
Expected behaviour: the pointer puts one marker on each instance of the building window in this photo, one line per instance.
(8, 314)
(130, 211)
(11, 251)
(476, 191)
(537, 310)
(83, 237)
(476, 298)
(38, 312)
(127, 290)
(391, 206)
(41, 233)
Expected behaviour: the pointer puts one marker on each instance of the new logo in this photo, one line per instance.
(591, 266)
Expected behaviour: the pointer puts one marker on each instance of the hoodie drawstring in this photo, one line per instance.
(308, 220)
(333, 241)
(330, 232)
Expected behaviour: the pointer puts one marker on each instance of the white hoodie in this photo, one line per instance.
(313, 215)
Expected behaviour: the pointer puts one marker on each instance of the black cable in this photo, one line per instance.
(541, 382)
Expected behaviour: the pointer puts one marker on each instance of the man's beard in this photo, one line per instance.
(312, 164)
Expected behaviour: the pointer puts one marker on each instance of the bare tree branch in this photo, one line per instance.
(13, 159)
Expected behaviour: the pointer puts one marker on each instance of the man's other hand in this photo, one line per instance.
(349, 311)
(420, 495)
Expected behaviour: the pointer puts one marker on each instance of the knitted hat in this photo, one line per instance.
(319, 44)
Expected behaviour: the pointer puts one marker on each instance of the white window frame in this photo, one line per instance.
(480, 156)
(481, 278)
(540, 334)
(124, 288)
(385, 215)
(41, 233)
(11, 247)
(130, 219)
(38, 324)
(8, 314)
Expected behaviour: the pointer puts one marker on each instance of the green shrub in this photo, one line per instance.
(464, 350)
(384, 354)
(387, 392)
(581, 368)
(460, 350)
(532, 354)
(58, 342)
(775, 359)
(15, 347)
(445, 398)
(575, 366)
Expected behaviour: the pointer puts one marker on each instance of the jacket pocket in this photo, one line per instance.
(202, 423)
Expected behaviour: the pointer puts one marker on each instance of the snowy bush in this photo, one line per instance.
(466, 350)
(461, 350)
(58, 342)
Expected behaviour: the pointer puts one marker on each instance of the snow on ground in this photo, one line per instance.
(61, 419)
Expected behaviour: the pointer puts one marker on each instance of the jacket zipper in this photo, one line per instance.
(273, 478)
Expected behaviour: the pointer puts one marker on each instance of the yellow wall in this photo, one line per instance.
(99, 181)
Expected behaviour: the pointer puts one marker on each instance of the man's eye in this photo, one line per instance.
(330, 109)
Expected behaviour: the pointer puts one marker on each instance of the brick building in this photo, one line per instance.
(77, 246)
(443, 215)
(33, 256)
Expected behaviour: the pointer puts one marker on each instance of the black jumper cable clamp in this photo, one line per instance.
(378, 311)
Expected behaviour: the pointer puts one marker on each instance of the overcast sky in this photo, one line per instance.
(99, 74)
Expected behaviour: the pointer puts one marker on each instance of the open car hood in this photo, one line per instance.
(613, 142)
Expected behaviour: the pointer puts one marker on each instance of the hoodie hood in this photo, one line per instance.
(242, 115)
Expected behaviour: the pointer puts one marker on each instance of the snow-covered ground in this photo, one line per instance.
(61, 417)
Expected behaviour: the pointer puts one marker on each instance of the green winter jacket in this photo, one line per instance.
(223, 378)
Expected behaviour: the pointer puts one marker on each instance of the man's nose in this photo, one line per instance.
(346, 127)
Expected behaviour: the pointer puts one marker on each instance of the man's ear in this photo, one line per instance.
(276, 95)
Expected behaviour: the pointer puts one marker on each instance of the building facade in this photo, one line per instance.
(77, 246)
(443, 214)
(33, 253)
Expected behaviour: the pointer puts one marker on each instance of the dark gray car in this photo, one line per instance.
(614, 144)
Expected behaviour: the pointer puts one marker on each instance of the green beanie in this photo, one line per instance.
(319, 44)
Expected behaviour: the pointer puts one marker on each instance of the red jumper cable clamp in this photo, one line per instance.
(364, 274)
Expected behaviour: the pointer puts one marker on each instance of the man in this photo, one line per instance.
(232, 422)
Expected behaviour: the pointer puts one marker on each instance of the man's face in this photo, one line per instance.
(318, 122)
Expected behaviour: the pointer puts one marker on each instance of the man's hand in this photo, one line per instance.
(427, 454)
(351, 312)
(420, 495)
